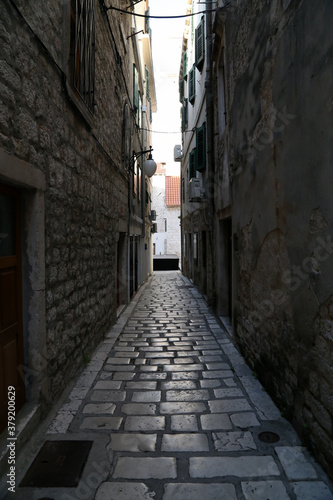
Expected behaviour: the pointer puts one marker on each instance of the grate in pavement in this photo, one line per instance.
(58, 464)
(269, 437)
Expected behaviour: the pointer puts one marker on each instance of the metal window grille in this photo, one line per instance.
(83, 49)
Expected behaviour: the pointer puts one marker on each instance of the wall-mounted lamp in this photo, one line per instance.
(149, 165)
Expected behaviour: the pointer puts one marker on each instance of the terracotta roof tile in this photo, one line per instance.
(172, 191)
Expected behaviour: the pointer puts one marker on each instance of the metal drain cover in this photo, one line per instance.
(58, 464)
(269, 437)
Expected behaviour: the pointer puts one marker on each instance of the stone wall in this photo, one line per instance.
(86, 195)
(280, 129)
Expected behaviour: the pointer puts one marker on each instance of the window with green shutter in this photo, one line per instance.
(192, 162)
(200, 45)
(184, 114)
(150, 111)
(185, 60)
(201, 148)
(191, 85)
(147, 82)
(181, 90)
(135, 88)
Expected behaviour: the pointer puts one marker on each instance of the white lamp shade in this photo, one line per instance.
(150, 167)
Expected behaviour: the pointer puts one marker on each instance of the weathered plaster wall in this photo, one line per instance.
(86, 187)
(280, 93)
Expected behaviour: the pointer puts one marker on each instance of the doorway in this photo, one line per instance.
(11, 329)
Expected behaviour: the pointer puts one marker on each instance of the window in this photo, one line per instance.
(221, 96)
(139, 183)
(184, 114)
(181, 90)
(183, 190)
(200, 45)
(147, 82)
(135, 90)
(165, 226)
(195, 246)
(150, 110)
(139, 112)
(192, 161)
(135, 177)
(185, 65)
(147, 22)
(201, 148)
(191, 90)
(82, 50)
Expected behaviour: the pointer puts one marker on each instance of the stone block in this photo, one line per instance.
(244, 466)
(145, 468)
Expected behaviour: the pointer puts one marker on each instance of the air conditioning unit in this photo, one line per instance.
(154, 228)
(195, 190)
(177, 153)
(152, 215)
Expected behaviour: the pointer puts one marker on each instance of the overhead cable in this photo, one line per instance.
(146, 16)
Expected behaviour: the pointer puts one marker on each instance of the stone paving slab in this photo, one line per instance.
(195, 491)
(145, 468)
(272, 490)
(180, 411)
(243, 466)
(124, 491)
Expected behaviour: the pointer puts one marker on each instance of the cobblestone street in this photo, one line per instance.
(175, 413)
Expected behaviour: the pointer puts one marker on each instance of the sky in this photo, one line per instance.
(167, 36)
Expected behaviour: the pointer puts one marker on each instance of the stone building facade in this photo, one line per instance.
(269, 104)
(196, 214)
(76, 97)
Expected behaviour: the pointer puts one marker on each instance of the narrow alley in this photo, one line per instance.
(168, 409)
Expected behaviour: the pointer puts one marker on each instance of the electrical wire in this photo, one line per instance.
(159, 131)
(166, 17)
(166, 132)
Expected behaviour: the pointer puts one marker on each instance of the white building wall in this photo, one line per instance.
(166, 242)
(173, 233)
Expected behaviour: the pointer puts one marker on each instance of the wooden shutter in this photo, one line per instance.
(147, 82)
(184, 114)
(191, 92)
(192, 161)
(181, 90)
(200, 44)
(135, 88)
(185, 60)
(201, 148)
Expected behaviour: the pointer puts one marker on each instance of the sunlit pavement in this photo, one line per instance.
(175, 413)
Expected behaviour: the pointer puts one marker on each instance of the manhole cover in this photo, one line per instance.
(58, 464)
(269, 437)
